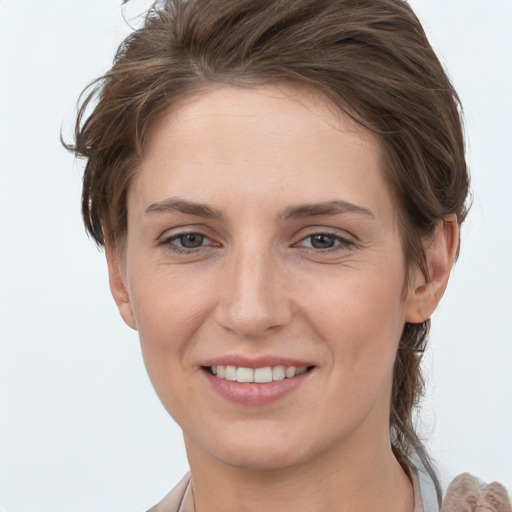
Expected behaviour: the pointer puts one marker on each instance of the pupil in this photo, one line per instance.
(322, 241)
(191, 240)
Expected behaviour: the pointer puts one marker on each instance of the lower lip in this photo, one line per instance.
(255, 394)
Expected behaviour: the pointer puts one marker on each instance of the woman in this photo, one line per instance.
(279, 187)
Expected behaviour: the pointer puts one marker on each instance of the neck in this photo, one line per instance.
(344, 480)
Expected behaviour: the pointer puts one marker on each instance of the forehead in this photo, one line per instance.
(255, 144)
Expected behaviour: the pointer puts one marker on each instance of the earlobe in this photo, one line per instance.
(425, 292)
(117, 285)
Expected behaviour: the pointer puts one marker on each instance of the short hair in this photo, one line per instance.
(371, 58)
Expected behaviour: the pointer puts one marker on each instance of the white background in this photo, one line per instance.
(81, 429)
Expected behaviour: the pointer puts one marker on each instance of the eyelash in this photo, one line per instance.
(169, 242)
(339, 242)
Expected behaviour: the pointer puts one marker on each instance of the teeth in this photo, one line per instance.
(290, 372)
(263, 374)
(230, 373)
(258, 375)
(278, 373)
(245, 375)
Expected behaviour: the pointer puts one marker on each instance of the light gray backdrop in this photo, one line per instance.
(81, 429)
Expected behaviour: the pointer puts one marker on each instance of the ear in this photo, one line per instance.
(425, 292)
(116, 278)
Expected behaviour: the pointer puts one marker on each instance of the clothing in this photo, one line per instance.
(180, 499)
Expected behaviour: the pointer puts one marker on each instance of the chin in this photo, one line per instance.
(264, 448)
(258, 458)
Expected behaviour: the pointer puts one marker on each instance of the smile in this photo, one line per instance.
(256, 375)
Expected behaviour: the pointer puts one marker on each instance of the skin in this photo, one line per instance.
(259, 284)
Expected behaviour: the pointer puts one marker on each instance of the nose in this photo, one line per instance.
(254, 300)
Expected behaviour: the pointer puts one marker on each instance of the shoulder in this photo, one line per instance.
(172, 502)
(467, 492)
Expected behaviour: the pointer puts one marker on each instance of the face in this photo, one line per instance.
(263, 246)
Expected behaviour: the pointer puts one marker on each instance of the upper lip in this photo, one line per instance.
(242, 361)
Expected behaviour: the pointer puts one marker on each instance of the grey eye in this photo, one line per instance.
(191, 240)
(322, 241)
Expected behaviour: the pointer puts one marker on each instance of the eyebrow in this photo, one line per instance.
(300, 211)
(174, 204)
(328, 208)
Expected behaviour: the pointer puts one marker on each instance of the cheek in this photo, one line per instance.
(167, 304)
(169, 310)
(166, 330)
(360, 317)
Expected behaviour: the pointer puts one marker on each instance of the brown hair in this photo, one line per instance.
(370, 57)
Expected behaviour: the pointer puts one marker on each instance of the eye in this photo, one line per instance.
(325, 241)
(190, 240)
(322, 241)
(186, 242)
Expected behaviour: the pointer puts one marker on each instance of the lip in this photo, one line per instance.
(255, 394)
